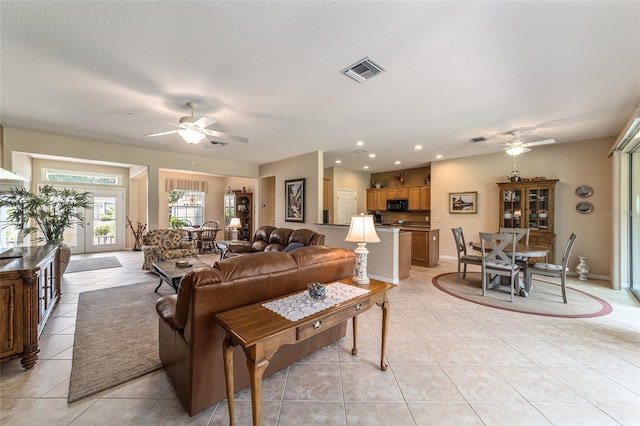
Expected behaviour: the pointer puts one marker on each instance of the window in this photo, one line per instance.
(186, 206)
(68, 176)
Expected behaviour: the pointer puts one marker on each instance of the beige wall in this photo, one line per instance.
(342, 178)
(307, 166)
(17, 141)
(574, 164)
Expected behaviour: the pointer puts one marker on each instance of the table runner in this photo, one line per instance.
(300, 305)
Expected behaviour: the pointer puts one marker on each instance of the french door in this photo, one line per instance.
(104, 226)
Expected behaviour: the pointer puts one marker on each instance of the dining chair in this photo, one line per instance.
(207, 239)
(521, 233)
(522, 237)
(552, 270)
(463, 258)
(179, 225)
(497, 260)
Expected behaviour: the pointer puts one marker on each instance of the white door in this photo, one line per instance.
(347, 201)
(104, 226)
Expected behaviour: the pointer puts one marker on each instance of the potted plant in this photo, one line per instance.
(53, 211)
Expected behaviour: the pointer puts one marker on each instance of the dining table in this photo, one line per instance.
(525, 252)
(195, 232)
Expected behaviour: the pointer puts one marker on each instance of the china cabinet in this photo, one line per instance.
(240, 205)
(530, 204)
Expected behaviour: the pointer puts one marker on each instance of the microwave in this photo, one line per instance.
(400, 205)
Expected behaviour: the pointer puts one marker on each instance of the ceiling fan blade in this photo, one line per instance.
(224, 137)
(542, 142)
(162, 133)
(204, 122)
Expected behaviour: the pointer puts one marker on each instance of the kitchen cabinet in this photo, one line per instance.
(425, 246)
(29, 290)
(419, 197)
(404, 254)
(425, 198)
(530, 204)
(377, 199)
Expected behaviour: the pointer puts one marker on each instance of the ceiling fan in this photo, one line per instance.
(517, 145)
(193, 130)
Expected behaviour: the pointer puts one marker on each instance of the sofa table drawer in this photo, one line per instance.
(323, 323)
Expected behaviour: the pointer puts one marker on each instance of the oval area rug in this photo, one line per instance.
(544, 299)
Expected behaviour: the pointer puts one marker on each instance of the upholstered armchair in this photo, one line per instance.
(165, 244)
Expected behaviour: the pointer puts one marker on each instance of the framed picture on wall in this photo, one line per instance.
(294, 200)
(463, 202)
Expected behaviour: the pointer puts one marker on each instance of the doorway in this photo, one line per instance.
(346, 201)
(104, 226)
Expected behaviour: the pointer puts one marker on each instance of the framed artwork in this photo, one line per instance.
(463, 202)
(294, 200)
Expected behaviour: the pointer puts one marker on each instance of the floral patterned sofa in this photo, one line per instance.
(165, 244)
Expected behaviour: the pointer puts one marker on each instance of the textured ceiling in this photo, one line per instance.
(115, 71)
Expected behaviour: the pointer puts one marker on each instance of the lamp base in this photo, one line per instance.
(360, 266)
(234, 234)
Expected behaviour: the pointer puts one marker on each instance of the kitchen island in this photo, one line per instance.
(389, 260)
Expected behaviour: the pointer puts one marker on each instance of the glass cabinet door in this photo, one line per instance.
(538, 208)
(512, 209)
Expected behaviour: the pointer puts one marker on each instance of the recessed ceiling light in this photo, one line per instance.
(398, 162)
(439, 156)
(417, 147)
(359, 143)
(338, 161)
(365, 167)
(372, 156)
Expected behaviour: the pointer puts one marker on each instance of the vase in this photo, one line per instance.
(582, 269)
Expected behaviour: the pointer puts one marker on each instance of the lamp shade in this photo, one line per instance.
(235, 223)
(362, 230)
(191, 136)
(517, 150)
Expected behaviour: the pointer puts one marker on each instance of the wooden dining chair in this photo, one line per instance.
(497, 260)
(522, 234)
(179, 225)
(464, 259)
(522, 237)
(207, 240)
(552, 270)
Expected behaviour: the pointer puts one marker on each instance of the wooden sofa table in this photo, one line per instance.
(261, 332)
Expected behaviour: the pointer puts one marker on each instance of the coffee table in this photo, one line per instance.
(172, 274)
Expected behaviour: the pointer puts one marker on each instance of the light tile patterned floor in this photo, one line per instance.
(450, 363)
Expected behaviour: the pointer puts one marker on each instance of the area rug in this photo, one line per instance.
(544, 299)
(116, 338)
(91, 264)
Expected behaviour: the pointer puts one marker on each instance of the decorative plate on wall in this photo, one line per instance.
(584, 207)
(584, 191)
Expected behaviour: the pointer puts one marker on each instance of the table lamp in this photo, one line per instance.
(361, 231)
(234, 225)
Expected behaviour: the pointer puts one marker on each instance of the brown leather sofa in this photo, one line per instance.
(270, 238)
(191, 342)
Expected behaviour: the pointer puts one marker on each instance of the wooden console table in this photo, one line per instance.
(29, 289)
(261, 332)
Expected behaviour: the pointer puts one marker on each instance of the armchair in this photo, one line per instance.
(165, 244)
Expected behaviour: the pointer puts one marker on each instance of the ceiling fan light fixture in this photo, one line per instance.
(191, 136)
(516, 150)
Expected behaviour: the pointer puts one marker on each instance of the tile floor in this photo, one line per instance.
(450, 363)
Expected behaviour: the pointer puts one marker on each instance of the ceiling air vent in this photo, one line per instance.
(363, 70)
(479, 139)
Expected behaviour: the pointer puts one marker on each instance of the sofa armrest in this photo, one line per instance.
(166, 309)
(240, 247)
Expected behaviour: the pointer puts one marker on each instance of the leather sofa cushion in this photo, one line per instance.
(303, 236)
(280, 236)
